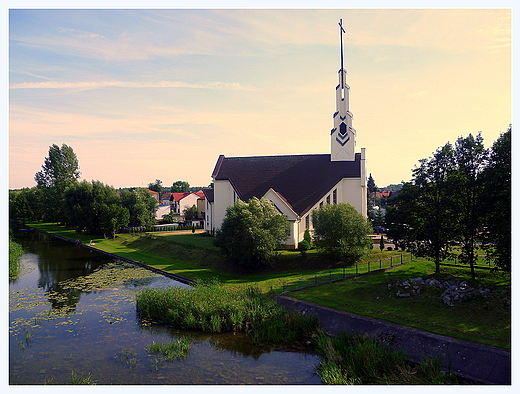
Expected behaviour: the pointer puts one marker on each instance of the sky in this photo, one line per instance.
(144, 94)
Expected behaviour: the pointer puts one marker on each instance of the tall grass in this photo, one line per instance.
(359, 360)
(15, 252)
(214, 307)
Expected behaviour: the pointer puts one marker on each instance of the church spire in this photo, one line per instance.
(342, 136)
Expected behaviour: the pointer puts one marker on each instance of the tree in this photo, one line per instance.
(191, 213)
(113, 217)
(59, 171)
(20, 207)
(85, 202)
(496, 203)
(141, 205)
(251, 231)
(180, 187)
(156, 186)
(341, 231)
(371, 196)
(469, 158)
(423, 219)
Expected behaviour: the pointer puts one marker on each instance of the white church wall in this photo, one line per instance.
(224, 197)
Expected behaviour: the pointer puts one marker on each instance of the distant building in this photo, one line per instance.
(296, 184)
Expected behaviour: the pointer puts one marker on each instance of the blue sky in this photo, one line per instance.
(144, 94)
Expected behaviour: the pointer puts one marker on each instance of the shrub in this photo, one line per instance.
(303, 247)
(251, 231)
(341, 231)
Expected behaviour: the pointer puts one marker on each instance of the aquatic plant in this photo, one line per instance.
(218, 308)
(356, 359)
(15, 252)
(127, 356)
(175, 349)
(86, 380)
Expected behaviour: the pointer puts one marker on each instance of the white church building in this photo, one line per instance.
(296, 184)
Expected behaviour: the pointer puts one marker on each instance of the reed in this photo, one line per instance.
(176, 349)
(213, 307)
(360, 360)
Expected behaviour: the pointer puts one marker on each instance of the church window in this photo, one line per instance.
(321, 204)
(307, 221)
(335, 196)
(328, 199)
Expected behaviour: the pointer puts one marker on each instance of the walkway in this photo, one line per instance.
(470, 360)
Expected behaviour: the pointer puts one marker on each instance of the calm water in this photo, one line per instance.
(73, 311)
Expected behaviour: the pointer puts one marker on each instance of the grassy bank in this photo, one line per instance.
(214, 307)
(15, 252)
(481, 319)
(485, 318)
(355, 359)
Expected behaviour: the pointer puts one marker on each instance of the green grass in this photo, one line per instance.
(358, 360)
(15, 252)
(214, 307)
(174, 350)
(485, 320)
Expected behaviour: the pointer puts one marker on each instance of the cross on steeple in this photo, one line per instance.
(341, 31)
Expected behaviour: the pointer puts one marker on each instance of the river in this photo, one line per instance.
(72, 315)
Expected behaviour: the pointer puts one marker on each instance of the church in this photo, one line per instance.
(296, 184)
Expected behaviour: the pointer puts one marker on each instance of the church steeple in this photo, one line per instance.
(343, 135)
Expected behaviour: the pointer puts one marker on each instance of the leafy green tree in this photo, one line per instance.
(156, 186)
(85, 203)
(191, 213)
(180, 187)
(251, 232)
(469, 157)
(113, 217)
(141, 205)
(341, 231)
(20, 207)
(423, 219)
(496, 203)
(59, 171)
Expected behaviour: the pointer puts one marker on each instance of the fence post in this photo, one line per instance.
(381, 263)
(368, 267)
(356, 269)
(401, 258)
(391, 260)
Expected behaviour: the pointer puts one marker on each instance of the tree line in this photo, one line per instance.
(93, 207)
(457, 203)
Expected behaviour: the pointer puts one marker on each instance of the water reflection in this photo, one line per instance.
(78, 309)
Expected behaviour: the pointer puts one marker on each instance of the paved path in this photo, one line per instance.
(480, 363)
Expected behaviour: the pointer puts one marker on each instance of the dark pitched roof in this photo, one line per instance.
(301, 179)
(209, 193)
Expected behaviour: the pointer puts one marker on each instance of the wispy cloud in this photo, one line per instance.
(131, 84)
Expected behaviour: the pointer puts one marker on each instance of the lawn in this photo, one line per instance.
(481, 319)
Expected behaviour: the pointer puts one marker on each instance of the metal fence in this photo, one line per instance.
(345, 272)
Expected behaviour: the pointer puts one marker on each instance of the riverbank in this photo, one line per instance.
(470, 360)
(193, 256)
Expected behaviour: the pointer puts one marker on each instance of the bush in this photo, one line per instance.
(303, 247)
(341, 231)
(251, 232)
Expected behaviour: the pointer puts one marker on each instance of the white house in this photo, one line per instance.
(181, 201)
(296, 184)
